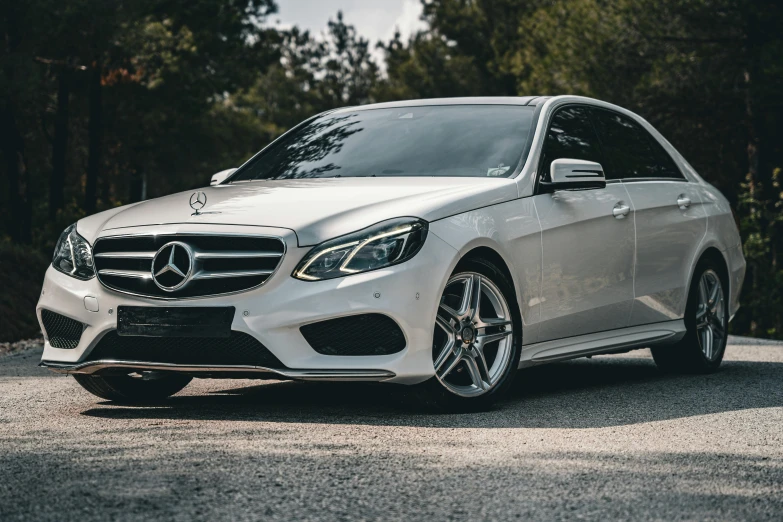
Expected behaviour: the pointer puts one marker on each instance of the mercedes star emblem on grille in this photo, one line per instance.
(197, 201)
(172, 266)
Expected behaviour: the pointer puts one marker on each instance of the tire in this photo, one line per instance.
(133, 390)
(485, 346)
(692, 353)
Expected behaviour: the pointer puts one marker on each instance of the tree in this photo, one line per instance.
(709, 79)
(313, 74)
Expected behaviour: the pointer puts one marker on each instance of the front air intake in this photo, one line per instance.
(239, 349)
(63, 332)
(365, 334)
(203, 264)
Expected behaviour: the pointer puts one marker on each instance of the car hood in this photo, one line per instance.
(315, 209)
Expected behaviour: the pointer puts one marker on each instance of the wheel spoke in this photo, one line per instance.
(478, 355)
(703, 293)
(445, 326)
(471, 297)
(447, 349)
(701, 335)
(475, 373)
(713, 298)
(449, 313)
(701, 312)
(449, 363)
(489, 323)
(717, 327)
(707, 346)
(484, 340)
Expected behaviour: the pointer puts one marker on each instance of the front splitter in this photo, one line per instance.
(92, 367)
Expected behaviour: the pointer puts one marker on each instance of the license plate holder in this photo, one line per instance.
(175, 321)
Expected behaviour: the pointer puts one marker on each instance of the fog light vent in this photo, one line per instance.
(366, 334)
(63, 332)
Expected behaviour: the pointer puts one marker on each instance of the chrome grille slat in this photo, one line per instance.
(221, 263)
(229, 254)
(137, 274)
(231, 273)
(127, 255)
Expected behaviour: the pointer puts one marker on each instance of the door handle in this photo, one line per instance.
(683, 201)
(621, 210)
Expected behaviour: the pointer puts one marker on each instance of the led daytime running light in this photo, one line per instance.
(378, 246)
(356, 250)
(301, 272)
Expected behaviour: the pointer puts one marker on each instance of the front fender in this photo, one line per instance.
(513, 231)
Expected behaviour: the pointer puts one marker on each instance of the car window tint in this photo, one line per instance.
(634, 152)
(570, 135)
(450, 140)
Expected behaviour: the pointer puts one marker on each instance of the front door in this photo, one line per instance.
(587, 240)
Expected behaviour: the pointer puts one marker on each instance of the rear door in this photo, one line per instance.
(587, 271)
(669, 217)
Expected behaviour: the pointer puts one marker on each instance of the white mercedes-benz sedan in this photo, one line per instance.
(441, 244)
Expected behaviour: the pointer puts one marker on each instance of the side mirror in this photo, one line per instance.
(567, 174)
(221, 176)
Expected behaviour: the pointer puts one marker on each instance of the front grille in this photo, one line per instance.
(63, 332)
(221, 264)
(237, 349)
(366, 334)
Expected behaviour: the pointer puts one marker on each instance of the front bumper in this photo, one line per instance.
(273, 313)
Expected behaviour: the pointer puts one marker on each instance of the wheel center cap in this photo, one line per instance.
(467, 334)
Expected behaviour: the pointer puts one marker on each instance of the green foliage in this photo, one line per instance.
(762, 226)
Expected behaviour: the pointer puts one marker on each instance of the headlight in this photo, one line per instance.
(73, 255)
(384, 244)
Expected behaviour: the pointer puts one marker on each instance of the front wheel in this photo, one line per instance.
(706, 321)
(476, 340)
(132, 389)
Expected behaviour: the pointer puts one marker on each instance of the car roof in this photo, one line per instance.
(477, 100)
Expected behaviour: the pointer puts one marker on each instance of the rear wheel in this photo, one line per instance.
(133, 388)
(476, 342)
(706, 320)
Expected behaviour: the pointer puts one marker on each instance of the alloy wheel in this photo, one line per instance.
(473, 341)
(710, 315)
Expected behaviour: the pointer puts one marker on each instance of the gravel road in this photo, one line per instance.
(608, 437)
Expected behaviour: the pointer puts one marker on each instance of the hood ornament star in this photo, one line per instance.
(198, 200)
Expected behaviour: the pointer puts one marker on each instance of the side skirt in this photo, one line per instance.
(602, 342)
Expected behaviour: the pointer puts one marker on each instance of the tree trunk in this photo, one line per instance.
(60, 146)
(95, 132)
(20, 223)
(136, 187)
(11, 141)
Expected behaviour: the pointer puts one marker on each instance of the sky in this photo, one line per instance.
(373, 19)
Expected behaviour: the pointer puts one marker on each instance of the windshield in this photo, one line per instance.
(451, 140)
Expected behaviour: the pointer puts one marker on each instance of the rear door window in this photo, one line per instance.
(570, 135)
(634, 153)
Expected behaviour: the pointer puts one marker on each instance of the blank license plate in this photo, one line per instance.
(175, 321)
